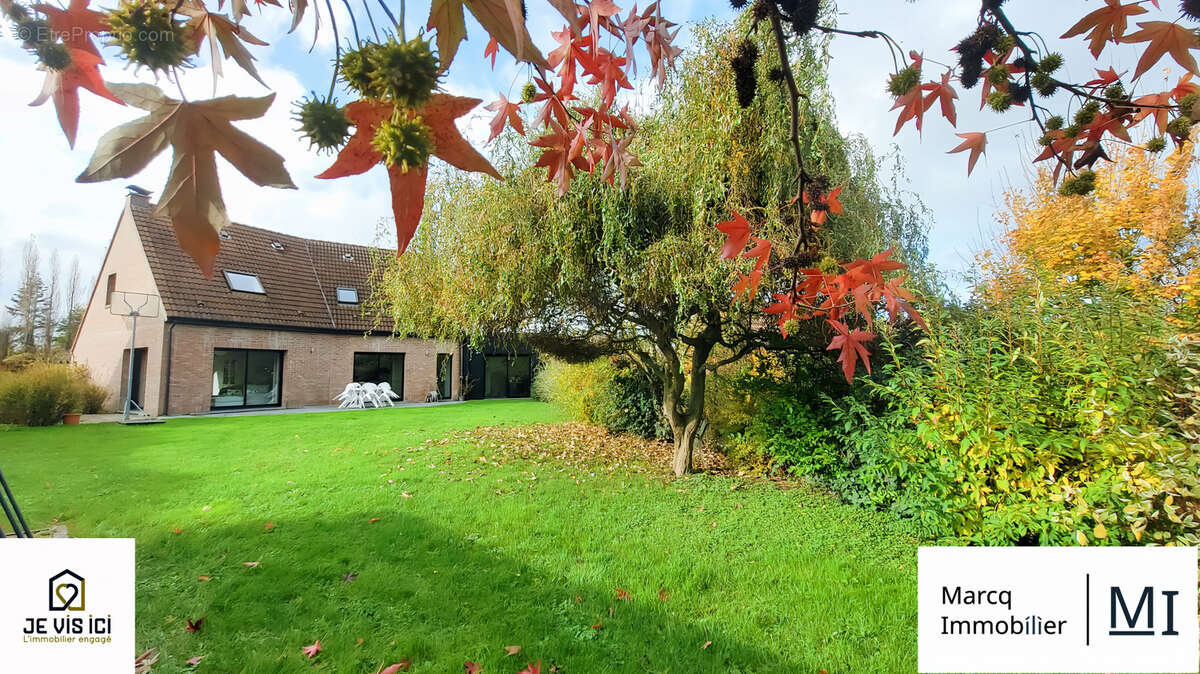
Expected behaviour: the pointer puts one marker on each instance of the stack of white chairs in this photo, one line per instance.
(351, 397)
(388, 394)
(357, 396)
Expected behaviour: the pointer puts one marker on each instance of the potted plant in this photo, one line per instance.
(71, 418)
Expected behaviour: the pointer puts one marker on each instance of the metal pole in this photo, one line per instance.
(20, 521)
(129, 379)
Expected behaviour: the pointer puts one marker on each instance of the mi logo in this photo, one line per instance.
(1132, 622)
(66, 591)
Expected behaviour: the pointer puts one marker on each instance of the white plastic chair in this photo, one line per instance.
(351, 397)
(371, 395)
(388, 394)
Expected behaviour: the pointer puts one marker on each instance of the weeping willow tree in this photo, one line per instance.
(635, 271)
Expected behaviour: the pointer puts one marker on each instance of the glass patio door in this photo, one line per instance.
(246, 378)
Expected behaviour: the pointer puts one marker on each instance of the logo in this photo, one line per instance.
(1131, 627)
(81, 619)
(66, 591)
(1065, 609)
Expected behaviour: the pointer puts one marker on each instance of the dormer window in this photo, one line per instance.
(347, 295)
(244, 283)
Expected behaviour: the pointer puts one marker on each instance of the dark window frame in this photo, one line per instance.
(110, 288)
(394, 355)
(245, 375)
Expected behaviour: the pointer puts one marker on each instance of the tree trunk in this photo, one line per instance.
(685, 445)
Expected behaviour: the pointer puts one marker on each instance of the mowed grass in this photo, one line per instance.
(466, 557)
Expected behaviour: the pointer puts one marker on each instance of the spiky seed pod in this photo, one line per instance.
(1053, 61)
(32, 33)
(16, 13)
(528, 92)
(803, 15)
(149, 35)
(1188, 106)
(903, 82)
(999, 101)
(1003, 43)
(1116, 92)
(1157, 144)
(1020, 62)
(53, 55)
(1043, 84)
(815, 188)
(737, 4)
(356, 70)
(406, 144)
(404, 72)
(1045, 139)
(1019, 93)
(745, 76)
(969, 76)
(998, 74)
(322, 122)
(1054, 123)
(760, 11)
(1190, 9)
(1078, 185)
(1087, 113)
(775, 74)
(1072, 130)
(828, 265)
(1179, 127)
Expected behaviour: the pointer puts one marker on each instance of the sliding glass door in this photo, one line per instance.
(379, 368)
(246, 378)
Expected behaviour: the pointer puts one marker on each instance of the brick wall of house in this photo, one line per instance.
(104, 338)
(316, 366)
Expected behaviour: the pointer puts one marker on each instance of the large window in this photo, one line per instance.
(245, 378)
(378, 368)
(506, 377)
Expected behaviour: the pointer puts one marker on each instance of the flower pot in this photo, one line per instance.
(71, 418)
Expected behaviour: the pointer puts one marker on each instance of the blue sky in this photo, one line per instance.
(38, 169)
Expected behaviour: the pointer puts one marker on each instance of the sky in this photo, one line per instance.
(38, 169)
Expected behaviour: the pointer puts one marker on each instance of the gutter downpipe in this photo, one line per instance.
(167, 388)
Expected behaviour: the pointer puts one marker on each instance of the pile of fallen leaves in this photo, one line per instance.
(581, 445)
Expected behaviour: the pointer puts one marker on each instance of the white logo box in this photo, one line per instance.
(1069, 609)
(79, 621)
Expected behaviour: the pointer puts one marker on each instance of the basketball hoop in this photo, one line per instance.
(133, 305)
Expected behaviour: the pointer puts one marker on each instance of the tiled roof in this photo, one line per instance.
(300, 280)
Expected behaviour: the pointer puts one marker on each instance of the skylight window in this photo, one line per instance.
(347, 295)
(244, 283)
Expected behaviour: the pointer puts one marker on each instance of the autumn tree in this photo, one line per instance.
(1138, 231)
(598, 271)
(27, 307)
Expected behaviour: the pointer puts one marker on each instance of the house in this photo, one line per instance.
(281, 324)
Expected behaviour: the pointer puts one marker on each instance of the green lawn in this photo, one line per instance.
(466, 557)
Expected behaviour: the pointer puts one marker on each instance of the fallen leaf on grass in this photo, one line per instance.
(312, 650)
(177, 531)
(598, 626)
(532, 668)
(360, 642)
(706, 645)
(373, 520)
(194, 626)
(512, 650)
(472, 668)
(663, 594)
(204, 579)
(195, 661)
(349, 578)
(206, 508)
(269, 526)
(403, 666)
(250, 565)
(145, 661)
(622, 594)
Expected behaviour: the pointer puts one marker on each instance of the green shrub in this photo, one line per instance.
(628, 402)
(794, 436)
(603, 392)
(41, 393)
(571, 387)
(1043, 421)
